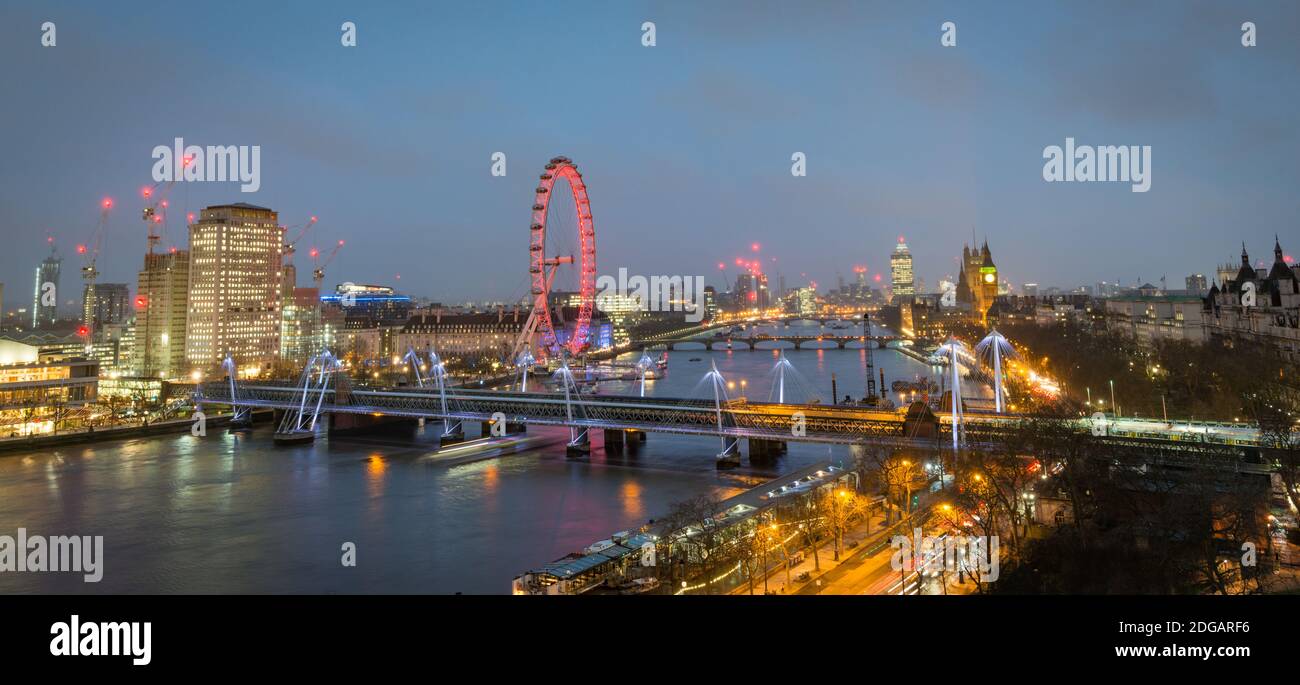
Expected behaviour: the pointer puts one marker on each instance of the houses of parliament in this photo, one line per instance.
(977, 284)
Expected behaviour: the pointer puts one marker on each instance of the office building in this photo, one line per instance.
(161, 300)
(104, 304)
(900, 271)
(235, 288)
(45, 300)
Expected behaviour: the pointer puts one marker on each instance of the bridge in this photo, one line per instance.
(799, 341)
(767, 426)
(692, 332)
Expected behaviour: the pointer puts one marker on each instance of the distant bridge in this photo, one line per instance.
(799, 341)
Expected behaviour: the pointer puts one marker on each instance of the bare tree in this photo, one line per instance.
(840, 507)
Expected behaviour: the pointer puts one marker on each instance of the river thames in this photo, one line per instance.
(232, 513)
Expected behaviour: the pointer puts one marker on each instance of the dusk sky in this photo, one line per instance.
(685, 147)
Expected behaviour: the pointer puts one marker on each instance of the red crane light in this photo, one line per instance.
(141, 302)
(83, 331)
(108, 203)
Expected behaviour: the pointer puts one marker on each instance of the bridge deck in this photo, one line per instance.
(828, 424)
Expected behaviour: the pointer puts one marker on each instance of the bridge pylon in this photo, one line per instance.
(242, 417)
(299, 423)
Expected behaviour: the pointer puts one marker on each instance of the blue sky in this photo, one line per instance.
(685, 146)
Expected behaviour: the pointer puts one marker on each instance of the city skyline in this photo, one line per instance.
(401, 171)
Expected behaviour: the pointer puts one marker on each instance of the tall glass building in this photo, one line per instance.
(900, 271)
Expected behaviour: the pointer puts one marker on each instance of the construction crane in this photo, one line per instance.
(89, 272)
(318, 274)
(155, 197)
(290, 246)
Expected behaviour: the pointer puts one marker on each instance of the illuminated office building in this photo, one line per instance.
(235, 293)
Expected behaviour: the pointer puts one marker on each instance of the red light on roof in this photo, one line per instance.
(83, 331)
(81, 249)
(877, 278)
(190, 217)
(755, 247)
(900, 238)
(108, 203)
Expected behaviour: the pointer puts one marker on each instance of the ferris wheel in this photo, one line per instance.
(539, 332)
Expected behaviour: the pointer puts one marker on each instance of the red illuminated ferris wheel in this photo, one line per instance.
(542, 269)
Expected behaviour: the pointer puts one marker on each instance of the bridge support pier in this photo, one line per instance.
(512, 428)
(618, 439)
(343, 424)
(762, 449)
(451, 438)
(730, 454)
(580, 447)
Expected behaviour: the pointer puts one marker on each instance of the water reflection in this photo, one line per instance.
(232, 512)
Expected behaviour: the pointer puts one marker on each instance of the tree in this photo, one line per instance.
(839, 507)
(693, 537)
(59, 412)
(890, 471)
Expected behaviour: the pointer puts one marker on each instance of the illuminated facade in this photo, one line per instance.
(300, 325)
(1258, 307)
(161, 301)
(977, 284)
(900, 271)
(45, 313)
(235, 293)
(38, 391)
(463, 335)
